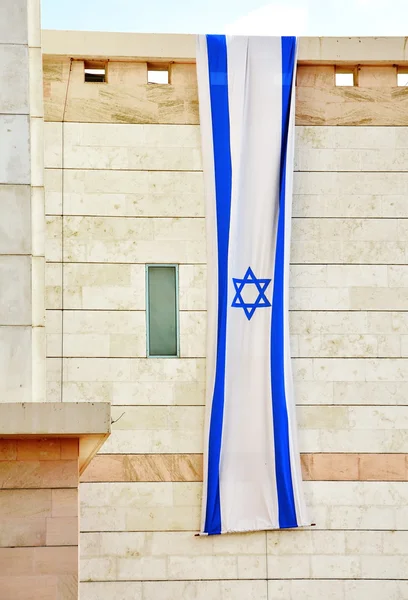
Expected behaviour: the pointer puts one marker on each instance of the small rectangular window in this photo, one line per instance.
(158, 73)
(344, 78)
(162, 310)
(402, 78)
(95, 72)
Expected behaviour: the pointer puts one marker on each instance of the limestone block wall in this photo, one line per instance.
(39, 519)
(124, 188)
(22, 263)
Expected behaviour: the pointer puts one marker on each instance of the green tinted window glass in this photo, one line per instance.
(162, 310)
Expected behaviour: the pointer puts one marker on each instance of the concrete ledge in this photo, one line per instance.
(181, 47)
(90, 422)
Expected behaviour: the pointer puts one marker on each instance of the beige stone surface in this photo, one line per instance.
(291, 554)
(96, 286)
(14, 136)
(14, 98)
(338, 505)
(114, 102)
(13, 19)
(16, 222)
(15, 363)
(38, 418)
(125, 193)
(132, 194)
(128, 240)
(97, 333)
(129, 147)
(193, 326)
(181, 46)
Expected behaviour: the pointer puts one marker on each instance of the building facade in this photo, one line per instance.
(124, 192)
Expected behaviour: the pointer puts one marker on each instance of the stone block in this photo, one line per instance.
(64, 503)
(56, 561)
(53, 191)
(15, 228)
(375, 589)
(160, 429)
(99, 333)
(22, 532)
(192, 287)
(132, 147)
(315, 75)
(15, 282)
(133, 240)
(25, 504)
(112, 590)
(36, 88)
(127, 73)
(392, 298)
(39, 449)
(53, 286)
(29, 587)
(140, 506)
(13, 22)
(16, 562)
(14, 59)
(133, 193)
(193, 326)
(351, 159)
(338, 567)
(8, 449)
(15, 361)
(39, 474)
(377, 76)
(53, 145)
(336, 345)
(379, 392)
(146, 467)
(53, 240)
(327, 299)
(201, 590)
(15, 145)
(62, 531)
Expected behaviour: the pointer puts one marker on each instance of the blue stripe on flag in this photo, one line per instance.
(286, 502)
(218, 75)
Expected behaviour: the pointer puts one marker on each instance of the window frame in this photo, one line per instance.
(176, 268)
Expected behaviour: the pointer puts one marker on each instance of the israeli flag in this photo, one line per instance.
(252, 474)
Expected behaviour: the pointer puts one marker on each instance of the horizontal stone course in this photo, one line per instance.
(164, 382)
(279, 589)
(330, 428)
(38, 474)
(345, 505)
(188, 467)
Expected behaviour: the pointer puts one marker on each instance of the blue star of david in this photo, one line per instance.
(260, 302)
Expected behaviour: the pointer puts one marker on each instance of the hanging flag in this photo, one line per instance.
(252, 475)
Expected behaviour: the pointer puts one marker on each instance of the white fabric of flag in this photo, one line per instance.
(252, 474)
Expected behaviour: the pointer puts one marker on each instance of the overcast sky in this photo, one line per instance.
(283, 17)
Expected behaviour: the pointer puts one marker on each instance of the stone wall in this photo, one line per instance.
(22, 226)
(39, 519)
(123, 188)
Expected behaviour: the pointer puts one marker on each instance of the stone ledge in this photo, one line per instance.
(181, 47)
(90, 422)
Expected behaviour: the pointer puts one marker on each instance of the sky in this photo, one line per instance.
(245, 17)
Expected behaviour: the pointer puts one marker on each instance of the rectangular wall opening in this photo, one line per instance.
(345, 78)
(402, 78)
(158, 73)
(162, 310)
(95, 72)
